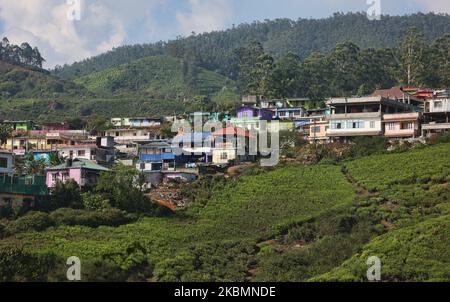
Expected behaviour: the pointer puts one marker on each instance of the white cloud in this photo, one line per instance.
(106, 24)
(437, 6)
(44, 23)
(204, 16)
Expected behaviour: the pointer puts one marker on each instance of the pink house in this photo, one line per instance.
(83, 171)
(402, 124)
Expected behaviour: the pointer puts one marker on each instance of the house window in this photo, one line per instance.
(372, 125)
(355, 124)
(81, 153)
(438, 105)
(54, 177)
(8, 201)
(3, 162)
(337, 125)
(315, 129)
(224, 156)
(391, 126)
(408, 126)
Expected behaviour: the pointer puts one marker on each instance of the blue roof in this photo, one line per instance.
(156, 157)
(301, 123)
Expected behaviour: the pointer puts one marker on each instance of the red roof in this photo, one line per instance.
(394, 93)
(233, 131)
(419, 92)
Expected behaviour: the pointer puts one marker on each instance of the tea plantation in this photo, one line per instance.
(294, 223)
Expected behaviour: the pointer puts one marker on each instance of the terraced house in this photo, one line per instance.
(83, 172)
(363, 116)
(437, 113)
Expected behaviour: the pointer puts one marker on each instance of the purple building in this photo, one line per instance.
(247, 112)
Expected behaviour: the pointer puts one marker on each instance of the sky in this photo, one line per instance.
(71, 30)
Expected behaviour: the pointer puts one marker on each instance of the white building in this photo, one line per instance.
(351, 117)
(6, 163)
(437, 113)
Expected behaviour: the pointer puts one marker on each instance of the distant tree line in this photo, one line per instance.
(215, 51)
(346, 70)
(23, 55)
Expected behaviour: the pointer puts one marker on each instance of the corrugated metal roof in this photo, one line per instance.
(80, 163)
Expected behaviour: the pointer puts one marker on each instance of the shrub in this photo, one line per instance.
(66, 195)
(2, 230)
(95, 202)
(129, 265)
(33, 221)
(93, 219)
(121, 187)
(17, 265)
(443, 138)
(162, 211)
(6, 211)
(307, 233)
(365, 146)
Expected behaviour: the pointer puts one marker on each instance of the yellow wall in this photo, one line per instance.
(322, 134)
(18, 143)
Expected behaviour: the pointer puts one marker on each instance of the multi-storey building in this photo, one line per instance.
(352, 117)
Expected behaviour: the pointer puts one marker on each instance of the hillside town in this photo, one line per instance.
(405, 114)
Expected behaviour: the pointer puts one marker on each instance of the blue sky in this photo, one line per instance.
(105, 24)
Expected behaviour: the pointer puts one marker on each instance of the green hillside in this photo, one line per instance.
(222, 234)
(293, 223)
(416, 253)
(18, 82)
(158, 77)
(154, 86)
(64, 108)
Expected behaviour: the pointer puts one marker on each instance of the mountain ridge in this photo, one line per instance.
(213, 50)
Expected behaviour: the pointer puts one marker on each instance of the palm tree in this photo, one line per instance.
(56, 159)
(5, 133)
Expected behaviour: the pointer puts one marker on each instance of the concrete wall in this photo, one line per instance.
(370, 126)
(433, 106)
(89, 153)
(7, 158)
(217, 156)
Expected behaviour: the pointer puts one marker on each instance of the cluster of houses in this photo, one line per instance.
(140, 143)
(395, 113)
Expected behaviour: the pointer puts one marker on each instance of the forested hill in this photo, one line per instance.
(18, 81)
(158, 77)
(214, 51)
